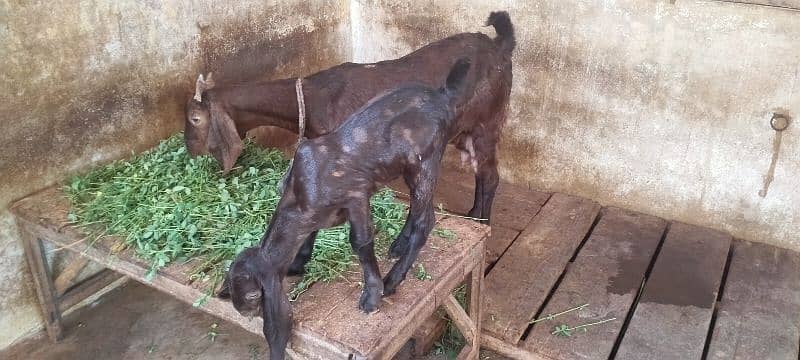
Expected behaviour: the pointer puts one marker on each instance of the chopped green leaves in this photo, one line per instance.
(170, 207)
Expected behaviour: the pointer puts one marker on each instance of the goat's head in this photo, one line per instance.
(209, 128)
(243, 283)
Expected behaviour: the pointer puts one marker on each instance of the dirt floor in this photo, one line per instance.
(136, 322)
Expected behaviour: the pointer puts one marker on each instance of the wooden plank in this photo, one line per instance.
(500, 239)
(513, 208)
(672, 318)
(87, 288)
(511, 351)
(504, 189)
(520, 281)
(759, 315)
(426, 335)
(314, 335)
(607, 274)
(66, 278)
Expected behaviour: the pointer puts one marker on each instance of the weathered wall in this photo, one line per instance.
(655, 106)
(83, 82)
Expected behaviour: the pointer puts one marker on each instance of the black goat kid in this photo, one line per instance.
(400, 133)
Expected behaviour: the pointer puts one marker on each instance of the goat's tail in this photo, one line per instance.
(455, 79)
(504, 29)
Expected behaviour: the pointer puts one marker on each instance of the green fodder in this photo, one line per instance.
(172, 208)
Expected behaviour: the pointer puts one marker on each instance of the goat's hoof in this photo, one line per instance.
(388, 292)
(478, 217)
(368, 302)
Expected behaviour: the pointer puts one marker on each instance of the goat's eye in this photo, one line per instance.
(252, 295)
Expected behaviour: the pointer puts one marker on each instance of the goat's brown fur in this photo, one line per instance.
(218, 122)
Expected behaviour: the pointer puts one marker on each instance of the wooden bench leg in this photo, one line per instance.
(43, 281)
(468, 322)
(475, 307)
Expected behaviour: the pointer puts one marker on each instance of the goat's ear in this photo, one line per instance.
(225, 291)
(224, 142)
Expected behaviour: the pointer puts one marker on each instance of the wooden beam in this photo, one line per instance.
(475, 305)
(43, 282)
(87, 288)
(467, 353)
(427, 334)
(503, 348)
(460, 318)
(67, 277)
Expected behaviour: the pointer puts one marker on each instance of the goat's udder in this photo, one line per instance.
(468, 155)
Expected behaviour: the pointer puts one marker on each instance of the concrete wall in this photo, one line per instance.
(83, 82)
(658, 106)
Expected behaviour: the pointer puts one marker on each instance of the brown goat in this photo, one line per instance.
(218, 117)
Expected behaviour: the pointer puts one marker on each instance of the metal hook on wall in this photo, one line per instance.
(779, 123)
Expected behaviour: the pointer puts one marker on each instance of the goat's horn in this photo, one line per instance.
(199, 88)
(209, 82)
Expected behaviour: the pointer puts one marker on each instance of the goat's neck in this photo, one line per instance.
(274, 103)
(282, 240)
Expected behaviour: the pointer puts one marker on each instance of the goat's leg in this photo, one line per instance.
(400, 244)
(361, 239)
(303, 255)
(477, 205)
(423, 224)
(486, 177)
(422, 217)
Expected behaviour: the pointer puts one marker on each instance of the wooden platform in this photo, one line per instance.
(327, 322)
(676, 291)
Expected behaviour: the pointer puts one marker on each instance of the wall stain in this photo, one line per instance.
(243, 50)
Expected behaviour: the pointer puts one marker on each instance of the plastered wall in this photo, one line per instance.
(657, 106)
(84, 82)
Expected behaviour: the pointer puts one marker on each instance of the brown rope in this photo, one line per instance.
(301, 111)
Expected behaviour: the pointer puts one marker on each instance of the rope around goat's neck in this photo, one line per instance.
(301, 111)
